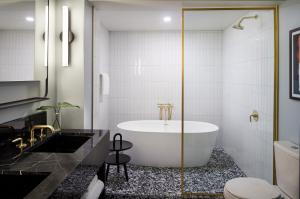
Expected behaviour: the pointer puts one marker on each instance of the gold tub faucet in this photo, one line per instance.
(42, 127)
(165, 111)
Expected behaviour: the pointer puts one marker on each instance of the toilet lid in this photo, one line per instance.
(251, 188)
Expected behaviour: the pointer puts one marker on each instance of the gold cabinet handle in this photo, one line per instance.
(21, 145)
(254, 115)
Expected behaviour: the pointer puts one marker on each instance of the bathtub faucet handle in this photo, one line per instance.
(165, 111)
(170, 111)
(161, 109)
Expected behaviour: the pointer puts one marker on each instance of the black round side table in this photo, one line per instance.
(116, 158)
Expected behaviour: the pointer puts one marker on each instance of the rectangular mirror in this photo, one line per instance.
(17, 25)
(23, 49)
(22, 38)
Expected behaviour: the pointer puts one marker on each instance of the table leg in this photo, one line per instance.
(107, 171)
(117, 159)
(125, 170)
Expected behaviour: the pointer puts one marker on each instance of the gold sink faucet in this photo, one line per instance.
(165, 111)
(21, 145)
(42, 127)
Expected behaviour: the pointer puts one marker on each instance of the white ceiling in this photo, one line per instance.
(133, 17)
(13, 14)
(211, 20)
(153, 20)
(127, 15)
(139, 20)
(188, 3)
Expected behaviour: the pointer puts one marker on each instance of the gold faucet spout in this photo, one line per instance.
(32, 138)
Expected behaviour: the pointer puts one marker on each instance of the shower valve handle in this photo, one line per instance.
(254, 115)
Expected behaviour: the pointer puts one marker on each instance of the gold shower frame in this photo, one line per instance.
(275, 9)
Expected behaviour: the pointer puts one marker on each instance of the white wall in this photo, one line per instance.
(70, 80)
(289, 110)
(203, 77)
(88, 40)
(16, 55)
(101, 65)
(74, 82)
(145, 69)
(248, 68)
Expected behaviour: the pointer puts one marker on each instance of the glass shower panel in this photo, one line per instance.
(228, 78)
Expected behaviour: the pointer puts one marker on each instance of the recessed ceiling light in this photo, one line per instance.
(167, 19)
(30, 19)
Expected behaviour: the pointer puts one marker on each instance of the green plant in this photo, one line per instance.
(57, 107)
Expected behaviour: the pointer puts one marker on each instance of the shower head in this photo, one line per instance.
(239, 26)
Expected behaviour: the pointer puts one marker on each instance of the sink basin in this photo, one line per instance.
(62, 143)
(8, 152)
(14, 185)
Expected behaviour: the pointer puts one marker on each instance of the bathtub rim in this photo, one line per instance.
(215, 130)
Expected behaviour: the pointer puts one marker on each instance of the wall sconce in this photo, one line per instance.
(66, 36)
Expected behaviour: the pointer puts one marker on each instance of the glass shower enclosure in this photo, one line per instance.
(229, 96)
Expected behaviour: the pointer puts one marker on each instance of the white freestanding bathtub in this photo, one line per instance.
(159, 145)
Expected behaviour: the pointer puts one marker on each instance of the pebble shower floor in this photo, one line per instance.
(157, 183)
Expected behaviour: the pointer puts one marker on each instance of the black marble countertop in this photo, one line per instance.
(60, 165)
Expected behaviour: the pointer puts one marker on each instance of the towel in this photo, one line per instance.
(94, 191)
(93, 182)
(104, 83)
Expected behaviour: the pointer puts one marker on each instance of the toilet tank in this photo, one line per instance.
(287, 167)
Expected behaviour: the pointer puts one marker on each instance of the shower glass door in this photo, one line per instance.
(229, 96)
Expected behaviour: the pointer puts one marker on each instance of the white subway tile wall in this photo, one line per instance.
(248, 70)
(145, 69)
(16, 55)
(203, 77)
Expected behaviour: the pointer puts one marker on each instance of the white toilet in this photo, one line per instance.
(287, 173)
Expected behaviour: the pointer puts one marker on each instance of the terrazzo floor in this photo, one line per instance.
(155, 183)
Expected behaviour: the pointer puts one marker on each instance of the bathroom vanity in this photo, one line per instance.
(40, 169)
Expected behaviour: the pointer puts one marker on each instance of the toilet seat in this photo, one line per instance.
(249, 188)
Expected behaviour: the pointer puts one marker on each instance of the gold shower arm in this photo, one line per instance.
(248, 17)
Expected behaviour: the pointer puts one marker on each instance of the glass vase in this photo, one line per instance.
(57, 121)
